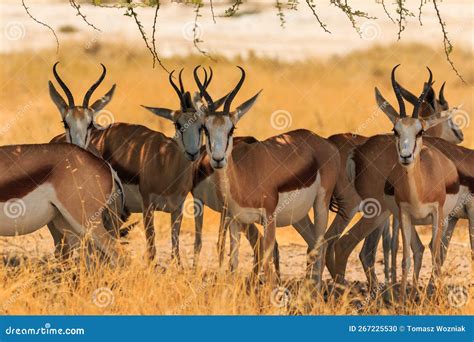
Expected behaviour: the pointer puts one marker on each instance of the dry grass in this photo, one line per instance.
(325, 96)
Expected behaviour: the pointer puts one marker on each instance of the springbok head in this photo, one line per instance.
(448, 130)
(79, 120)
(409, 130)
(187, 121)
(219, 126)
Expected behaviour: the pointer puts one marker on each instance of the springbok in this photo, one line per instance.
(370, 166)
(447, 130)
(56, 184)
(274, 182)
(423, 187)
(138, 153)
(346, 143)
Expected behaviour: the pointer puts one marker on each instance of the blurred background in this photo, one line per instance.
(310, 79)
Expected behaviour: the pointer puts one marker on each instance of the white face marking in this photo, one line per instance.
(408, 136)
(78, 125)
(219, 138)
(189, 134)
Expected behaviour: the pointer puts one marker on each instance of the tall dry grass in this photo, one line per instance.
(326, 96)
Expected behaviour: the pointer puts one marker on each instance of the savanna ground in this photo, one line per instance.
(327, 96)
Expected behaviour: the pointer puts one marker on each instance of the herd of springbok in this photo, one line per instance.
(87, 181)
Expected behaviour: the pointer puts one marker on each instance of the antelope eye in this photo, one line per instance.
(66, 126)
(178, 126)
(420, 133)
(205, 130)
(395, 132)
(90, 124)
(231, 131)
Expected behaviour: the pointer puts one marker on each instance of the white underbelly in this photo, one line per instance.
(422, 214)
(25, 215)
(292, 207)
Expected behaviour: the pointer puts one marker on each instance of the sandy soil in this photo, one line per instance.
(257, 32)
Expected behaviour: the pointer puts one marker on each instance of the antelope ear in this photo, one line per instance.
(57, 99)
(434, 121)
(163, 112)
(386, 107)
(104, 100)
(244, 108)
(198, 105)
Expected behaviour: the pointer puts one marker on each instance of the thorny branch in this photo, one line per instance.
(41, 23)
(448, 47)
(129, 5)
(79, 13)
(312, 6)
(350, 13)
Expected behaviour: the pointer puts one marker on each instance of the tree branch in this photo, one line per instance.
(41, 23)
(79, 13)
(312, 6)
(448, 47)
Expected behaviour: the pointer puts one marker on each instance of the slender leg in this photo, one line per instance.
(223, 227)
(234, 245)
(346, 243)
(447, 238)
(62, 249)
(321, 213)
(368, 253)
(394, 248)
(332, 235)
(198, 220)
(406, 229)
(437, 236)
(268, 246)
(386, 239)
(176, 219)
(305, 228)
(418, 249)
(148, 221)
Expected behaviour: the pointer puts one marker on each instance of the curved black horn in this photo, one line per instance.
(91, 90)
(442, 100)
(208, 81)
(202, 89)
(63, 85)
(234, 92)
(422, 97)
(398, 94)
(180, 94)
(181, 86)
